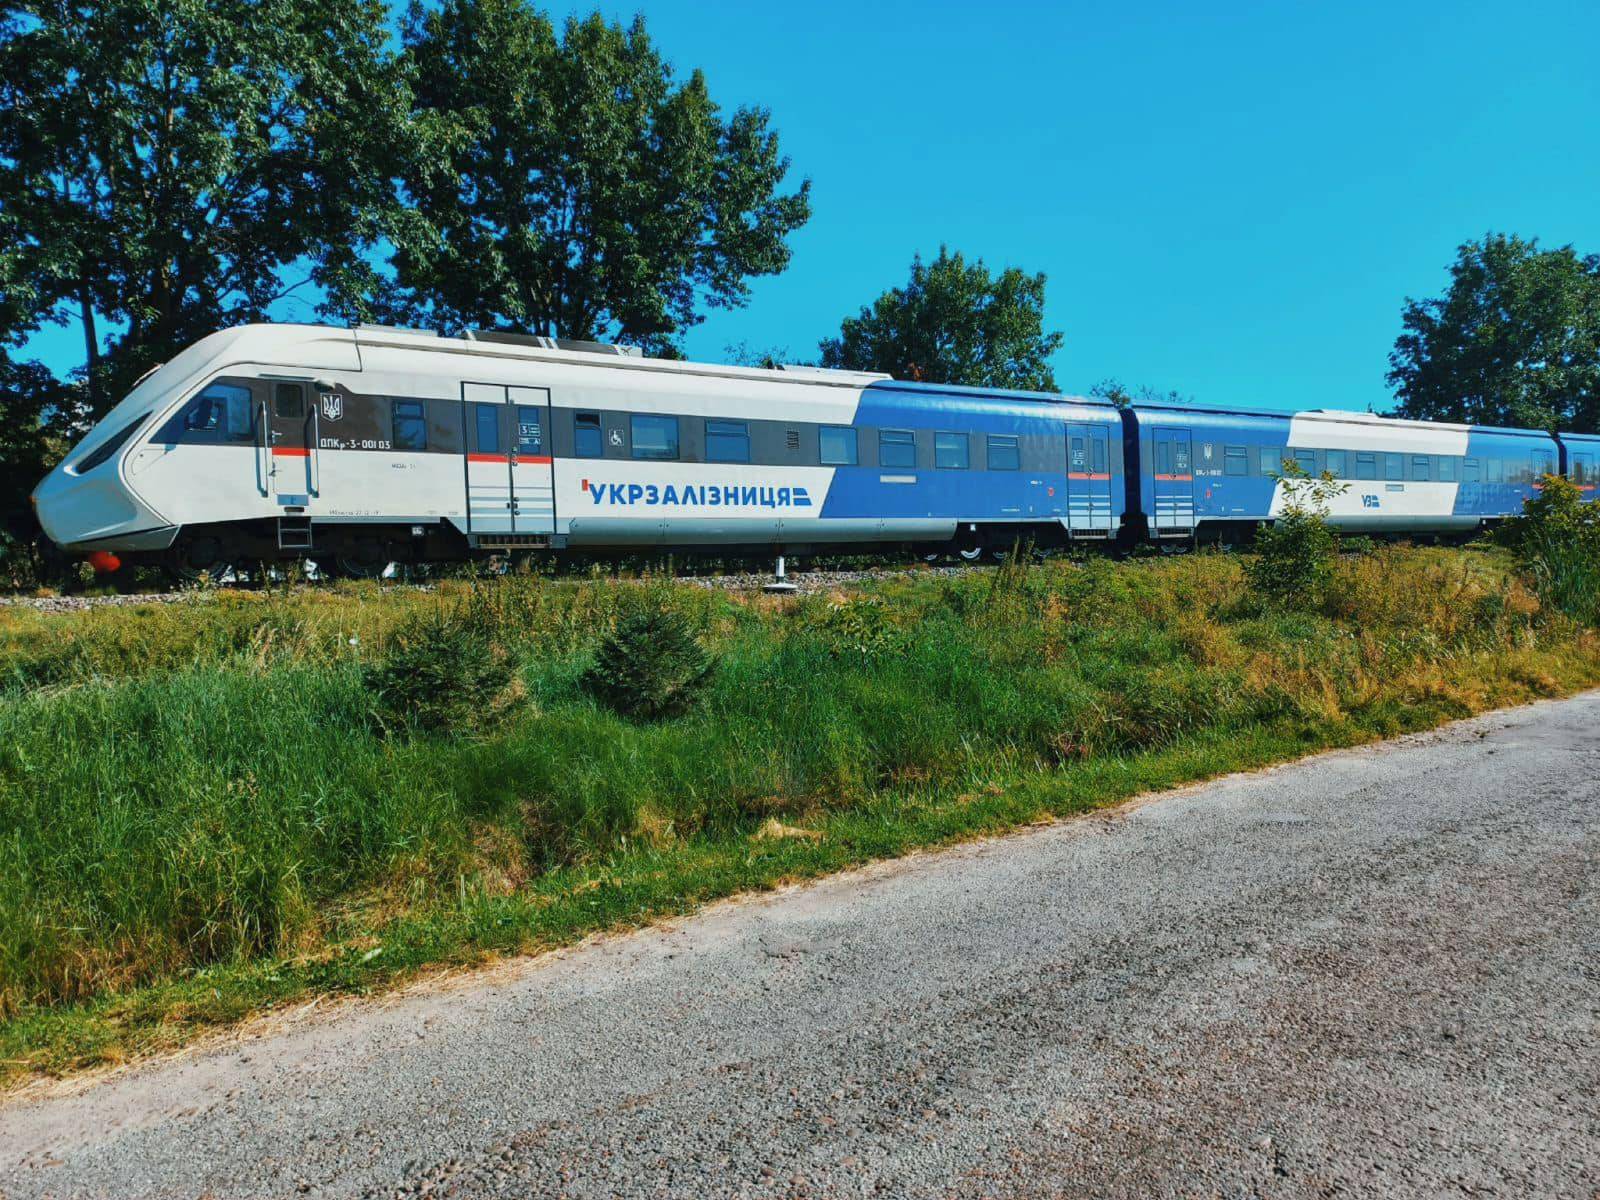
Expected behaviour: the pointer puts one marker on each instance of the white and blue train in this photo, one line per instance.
(361, 447)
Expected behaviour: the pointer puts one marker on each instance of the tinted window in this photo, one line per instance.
(1366, 466)
(1235, 460)
(410, 424)
(1447, 470)
(1306, 460)
(1421, 466)
(1097, 455)
(586, 439)
(897, 448)
(1544, 463)
(727, 441)
(1496, 470)
(1078, 459)
(655, 437)
(1339, 464)
(1271, 460)
(1469, 470)
(530, 431)
(288, 401)
(950, 450)
(1004, 454)
(487, 420)
(837, 446)
(1394, 466)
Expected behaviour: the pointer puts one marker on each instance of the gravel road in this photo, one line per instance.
(1372, 973)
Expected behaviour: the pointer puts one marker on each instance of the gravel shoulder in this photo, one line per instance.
(1373, 972)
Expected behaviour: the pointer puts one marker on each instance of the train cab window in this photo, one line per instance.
(586, 439)
(1469, 470)
(289, 401)
(897, 448)
(1366, 465)
(409, 419)
(655, 437)
(836, 445)
(224, 412)
(1235, 460)
(1004, 452)
(1447, 470)
(727, 442)
(1494, 470)
(1339, 464)
(1421, 467)
(1394, 466)
(1306, 460)
(950, 451)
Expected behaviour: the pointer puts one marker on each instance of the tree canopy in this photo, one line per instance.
(169, 166)
(953, 322)
(569, 185)
(1514, 340)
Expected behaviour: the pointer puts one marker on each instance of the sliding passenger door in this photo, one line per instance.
(1088, 481)
(1174, 482)
(486, 412)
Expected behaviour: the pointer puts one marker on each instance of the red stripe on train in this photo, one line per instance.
(522, 459)
(291, 452)
(1087, 475)
(1176, 478)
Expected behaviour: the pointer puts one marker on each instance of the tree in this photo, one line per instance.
(953, 323)
(1515, 340)
(571, 187)
(1113, 391)
(167, 165)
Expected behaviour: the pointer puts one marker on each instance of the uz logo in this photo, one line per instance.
(332, 405)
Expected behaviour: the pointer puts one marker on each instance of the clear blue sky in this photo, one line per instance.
(1231, 199)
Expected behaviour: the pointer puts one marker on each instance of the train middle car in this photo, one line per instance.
(370, 445)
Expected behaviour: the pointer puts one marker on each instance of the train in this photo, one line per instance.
(358, 448)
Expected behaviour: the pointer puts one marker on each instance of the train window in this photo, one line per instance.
(1078, 460)
(1271, 461)
(223, 412)
(289, 401)
(1394, 466)
(1235, 460)
(950, 451)
(486, 424)
(1543, 463)
(1582, 468)
(1339, 464)
(530, 430)
(1494, 470)
(1306, 460)
(655, 437)
(1469, 470)
(410, 421)
(1421, 467)
(1097, 456)
(586, 439)
(1004, 452)
(897, 448)
(1366, 465)
(1447, 470)
(836, 445)
(727, 441)
(1163, 457)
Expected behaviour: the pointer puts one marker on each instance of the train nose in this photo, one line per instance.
(78, 510)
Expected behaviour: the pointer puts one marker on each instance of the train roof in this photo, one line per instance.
(1335, 416)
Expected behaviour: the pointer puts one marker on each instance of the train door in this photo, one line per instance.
(290, 442)
(533, 494)
(1088, 481)
(1174, 482)
(486, 411)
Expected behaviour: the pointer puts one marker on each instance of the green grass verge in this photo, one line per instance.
(200, 818)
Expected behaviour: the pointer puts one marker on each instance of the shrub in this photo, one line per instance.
(1295, 554)
(650, 665)
(1557, 542)
(443, 673)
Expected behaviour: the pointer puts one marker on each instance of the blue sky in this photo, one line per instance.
(1230, 199)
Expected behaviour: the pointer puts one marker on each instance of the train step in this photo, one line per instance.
(294, 533)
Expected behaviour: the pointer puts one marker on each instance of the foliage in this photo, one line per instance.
(1113, 392)
(1515, 340)
(953, 322)
(1295, 552)
(568, 185)
(198, 816)
(444, 674)
(651, 665)
(166, 163)
(1557, 541)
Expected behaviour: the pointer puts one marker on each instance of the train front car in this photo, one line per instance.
(193, 458)
(1214, 473)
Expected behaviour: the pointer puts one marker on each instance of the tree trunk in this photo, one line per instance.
(91, 343)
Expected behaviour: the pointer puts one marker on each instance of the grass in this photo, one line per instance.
(202, 812)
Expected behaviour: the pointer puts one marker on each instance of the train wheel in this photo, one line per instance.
(362, 568)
